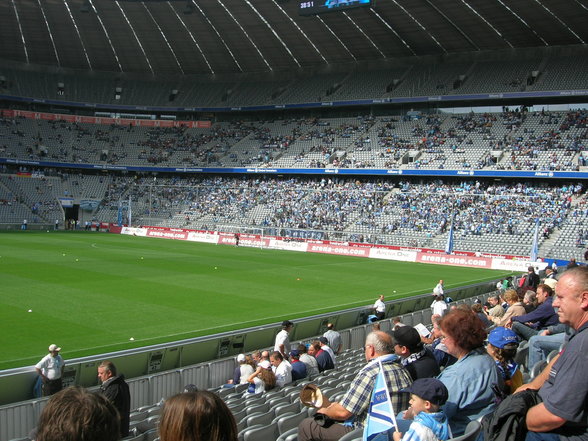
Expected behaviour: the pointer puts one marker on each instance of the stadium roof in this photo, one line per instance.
(175, 37)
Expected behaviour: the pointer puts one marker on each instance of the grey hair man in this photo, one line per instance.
(563, 412)
(494, 309)
(354, 406)
(117, 391)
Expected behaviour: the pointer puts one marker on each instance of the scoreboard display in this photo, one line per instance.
(312, 7)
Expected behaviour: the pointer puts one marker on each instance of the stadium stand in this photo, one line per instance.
(515, 139)
(515, 71)
(487, 216)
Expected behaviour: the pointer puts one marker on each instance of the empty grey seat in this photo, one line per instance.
(240, 415)
(294, 395)
(291, 421)
(150, 435)
(236, 407)
(261, 418)
(289, 435)
(138, 416)
(266, 433)
(148, 424)
(471, 433)
(276, 392)
(138, 437)
(241, 423)
(240, 388)
(257, 408)
(283, 408)
(154, 411)
(537, 368)
(273, 402)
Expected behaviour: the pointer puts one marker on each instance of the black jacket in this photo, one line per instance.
(424, 367)
(117, 392)
(507, 423)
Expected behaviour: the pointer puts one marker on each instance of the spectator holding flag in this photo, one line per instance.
(427, 395)
(353, 411)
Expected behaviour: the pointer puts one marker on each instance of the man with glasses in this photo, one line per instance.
(351, 412)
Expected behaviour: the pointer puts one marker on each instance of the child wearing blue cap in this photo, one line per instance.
(502, 347)
(429, 422)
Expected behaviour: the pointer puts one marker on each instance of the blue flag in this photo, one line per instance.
(119, 217)
(381, 416)
(449, 245)
(535, 246)
(129, 214)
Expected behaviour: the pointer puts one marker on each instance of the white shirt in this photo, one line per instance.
(379, 306)
(246, 371)
(282, 339)
(330, 352)
(439, 307)
(438, 289)
(283, 373)
(259, 385)
(51, 366)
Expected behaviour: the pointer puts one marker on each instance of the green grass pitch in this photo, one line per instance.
(91, 292)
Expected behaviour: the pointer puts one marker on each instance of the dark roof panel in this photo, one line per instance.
(174, 37)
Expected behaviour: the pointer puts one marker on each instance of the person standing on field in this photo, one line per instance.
(50, 369)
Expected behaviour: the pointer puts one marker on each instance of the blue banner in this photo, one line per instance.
(317, 104)
(312, 171)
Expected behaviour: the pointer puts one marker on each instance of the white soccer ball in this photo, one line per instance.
(132, 339)
(30, 310)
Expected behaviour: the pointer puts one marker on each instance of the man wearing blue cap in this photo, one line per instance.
(298, 368)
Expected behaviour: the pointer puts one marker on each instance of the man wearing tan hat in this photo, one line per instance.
(50, 368)
(333, 420)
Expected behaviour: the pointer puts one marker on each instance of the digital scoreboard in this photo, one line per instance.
(312, 7)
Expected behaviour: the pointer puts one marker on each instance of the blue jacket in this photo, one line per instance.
(541, 317)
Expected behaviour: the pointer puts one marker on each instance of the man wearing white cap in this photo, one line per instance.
(50, 368)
